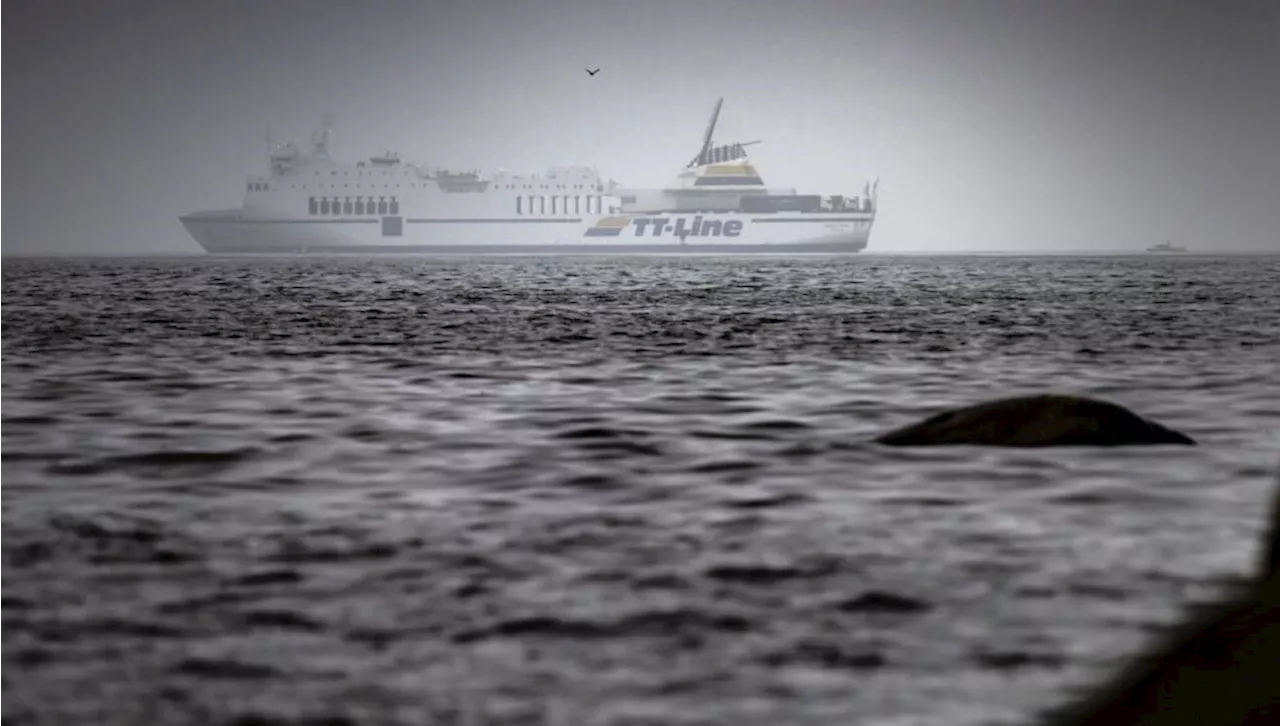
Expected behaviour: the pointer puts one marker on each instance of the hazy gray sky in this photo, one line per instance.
(992, 124)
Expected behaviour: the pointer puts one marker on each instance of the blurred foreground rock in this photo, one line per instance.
(1220, 668)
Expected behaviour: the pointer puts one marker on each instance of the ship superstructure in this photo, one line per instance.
(308, 202)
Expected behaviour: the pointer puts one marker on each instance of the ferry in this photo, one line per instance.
(309, 203)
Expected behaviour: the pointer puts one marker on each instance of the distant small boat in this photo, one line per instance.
(1166, 247)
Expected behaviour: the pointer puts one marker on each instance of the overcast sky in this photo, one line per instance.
(992, 125)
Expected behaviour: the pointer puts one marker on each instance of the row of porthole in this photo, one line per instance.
(364, 173)
(557, 205)
(542, 186)
(358, 206)
(262, 186)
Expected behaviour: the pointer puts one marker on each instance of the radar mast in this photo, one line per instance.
(320, 137)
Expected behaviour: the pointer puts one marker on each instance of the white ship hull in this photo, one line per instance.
(229, 232)
(310, 203)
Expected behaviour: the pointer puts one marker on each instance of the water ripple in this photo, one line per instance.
(607, 491)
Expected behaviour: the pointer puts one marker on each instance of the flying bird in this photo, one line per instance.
(591, 72)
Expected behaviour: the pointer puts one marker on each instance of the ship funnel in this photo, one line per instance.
(718, 154)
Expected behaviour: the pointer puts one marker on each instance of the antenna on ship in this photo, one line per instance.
(704, 153)
(320, 139)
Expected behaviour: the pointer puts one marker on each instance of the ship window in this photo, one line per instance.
(519, 205)
(324, 206)
(382, 206)
(395, 205)
(359, 205)
(312, 206)
(347, 207)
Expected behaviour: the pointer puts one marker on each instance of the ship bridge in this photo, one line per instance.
(721, 178)
(720, 166)
(715, 180)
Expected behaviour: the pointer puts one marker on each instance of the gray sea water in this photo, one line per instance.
(609, 491)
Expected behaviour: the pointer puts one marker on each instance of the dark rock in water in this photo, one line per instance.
(1218, 669)
(1045, 420)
